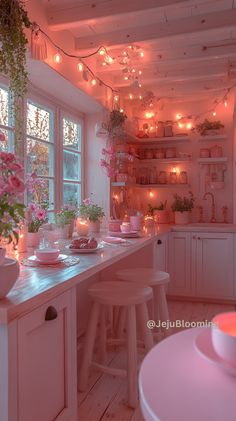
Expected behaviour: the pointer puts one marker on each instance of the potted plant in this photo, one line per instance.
(65, 219)
(37, 216)
(93, 213)
(209, 127)
(160, 213)
(182, 207)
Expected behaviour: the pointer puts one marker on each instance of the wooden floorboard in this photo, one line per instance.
(106, 396)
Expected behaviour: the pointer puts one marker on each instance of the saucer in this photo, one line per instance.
(60, 259)
(204, 347)
(85, 251)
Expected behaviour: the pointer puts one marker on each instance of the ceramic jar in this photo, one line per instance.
(204, 153)
(171, 153)
(33, 239)
(94, 227)
(183, 178)
(160, 129)
(162, 178)
(160, 154)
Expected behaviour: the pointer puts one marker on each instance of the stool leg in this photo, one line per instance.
(121, 323)
(164, 312)
(88, 347)
(146, 333)
(103, 336)
(132, 358)
(157, 332)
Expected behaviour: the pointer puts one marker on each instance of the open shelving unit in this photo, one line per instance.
(156, 140)
(143, 186)
(165, 160)
(212, 160)
(217, 137)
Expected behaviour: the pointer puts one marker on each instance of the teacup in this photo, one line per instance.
(125, 227)
(223, 334)
(47, 254)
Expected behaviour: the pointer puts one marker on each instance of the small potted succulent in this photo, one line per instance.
(208, 127)
(93, 213)
(160, 213)
(65, 220)
(182, 207)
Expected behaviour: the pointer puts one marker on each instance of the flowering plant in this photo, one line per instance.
(37, 217)
(90, 210)
(66, 215)
(11, 194)
(108, 161)
(183, 204)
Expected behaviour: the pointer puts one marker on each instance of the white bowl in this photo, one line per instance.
(47, 254)
(223, 334)
(8, 275)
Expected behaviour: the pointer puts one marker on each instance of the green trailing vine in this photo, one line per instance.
(13, 41)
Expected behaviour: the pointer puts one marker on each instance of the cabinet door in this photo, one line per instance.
(47, 361)
(179, 264)
(161, 253)
(214, 265)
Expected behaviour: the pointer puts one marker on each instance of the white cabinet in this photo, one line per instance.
(47, 361)
(179, 264)
(212, 265)
(201, 265)
(161, 253)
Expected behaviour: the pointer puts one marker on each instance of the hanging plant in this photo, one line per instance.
(13, 20)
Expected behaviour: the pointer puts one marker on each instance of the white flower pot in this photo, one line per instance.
(161, 216)
(9, 273)
(94, 226)
(181, 218)
(33, 239)
(2, 255)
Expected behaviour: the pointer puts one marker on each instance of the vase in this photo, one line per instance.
(181, 218)
(71, 228)
(33, 239)
(161, 216)
(94, 226)
(9, 273)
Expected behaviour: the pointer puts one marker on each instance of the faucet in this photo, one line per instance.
(213, 206)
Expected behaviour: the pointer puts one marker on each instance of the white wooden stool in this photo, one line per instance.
(123, 294)
(155, 279)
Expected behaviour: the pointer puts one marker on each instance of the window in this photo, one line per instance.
(71, 162)
(40, 152)
(6, 125)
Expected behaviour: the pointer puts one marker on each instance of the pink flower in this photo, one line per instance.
(7, 157)
(104, 164)
(40, 214)
(2, 137)
(87, 201)
(32, 207)
(16, 184)
(14, 166)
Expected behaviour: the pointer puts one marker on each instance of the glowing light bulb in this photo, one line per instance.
(225, 104)
(140, 97)
(116, 98)
(214, 113)
(131, 96)
(149, 115)
(121, 110)
(189, 125)
(57, 58)
(102, 51)
(151, 194)
(104, 63)
(80, 67)
(180, 125)
(178, 116)
(140, 72)
(126, 78)
(93, 82)
(142, 54)
(140, 85)
(133, 70)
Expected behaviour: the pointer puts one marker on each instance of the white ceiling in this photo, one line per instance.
(172, 37)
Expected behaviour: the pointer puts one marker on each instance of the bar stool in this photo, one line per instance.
(155, 279)
(134, 299)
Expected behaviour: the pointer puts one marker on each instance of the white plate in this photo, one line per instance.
(60, 259)
(131, 234)
(85, 251)
(204, 347)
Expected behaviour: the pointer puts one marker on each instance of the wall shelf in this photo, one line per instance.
(174, 186)
(156, 140)
(212, 160)
(217, 137)
(165, 160)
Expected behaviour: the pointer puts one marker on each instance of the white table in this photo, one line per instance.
(177, 384)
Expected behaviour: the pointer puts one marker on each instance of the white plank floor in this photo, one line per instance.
(106, 397)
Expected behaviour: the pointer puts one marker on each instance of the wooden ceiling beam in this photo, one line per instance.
(178, 28)
(71, 16)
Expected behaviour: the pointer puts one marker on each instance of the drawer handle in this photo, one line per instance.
(51, 313)
(159, 242)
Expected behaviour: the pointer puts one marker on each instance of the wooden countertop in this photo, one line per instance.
(38, 285)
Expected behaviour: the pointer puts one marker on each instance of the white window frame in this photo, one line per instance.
(64, 114)
(9, 129)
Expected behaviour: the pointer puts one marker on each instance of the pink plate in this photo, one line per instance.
(60, 259)
(204, 347)
(114, 240)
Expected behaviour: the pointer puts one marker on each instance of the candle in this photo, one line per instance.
(82, 227)
(22, 242)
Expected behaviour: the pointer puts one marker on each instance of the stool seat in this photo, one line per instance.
(146, 276)
(119, 294)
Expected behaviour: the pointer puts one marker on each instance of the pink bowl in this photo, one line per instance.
(223, 334)
(47, 255)
(125, 227)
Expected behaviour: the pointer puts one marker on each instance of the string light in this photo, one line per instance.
(225, 103)
(126, 78)
(149, 114)
(189, 125)
(57, 58)
(140, 97)
(178, 116)
(131, 96)
(93, 82)
(102, 51)
(80, 67)
(142, 54)
(140, 85)
(214, 113)
(140, 72)
(116, 98)
(121, 110)
(180, 125)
